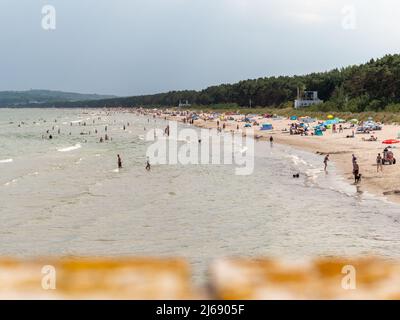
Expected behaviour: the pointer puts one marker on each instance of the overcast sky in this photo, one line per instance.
(129, 47)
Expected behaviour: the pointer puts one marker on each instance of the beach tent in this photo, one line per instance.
(330, 116)
(329, 123)
(247, 125)
(308, 120)
(354, 121)
(266, 126)
(318, 132)
(293, 118)
(372, 125)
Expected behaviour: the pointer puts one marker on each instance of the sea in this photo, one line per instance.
(65, 196)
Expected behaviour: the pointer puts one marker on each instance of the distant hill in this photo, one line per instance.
(39, 97)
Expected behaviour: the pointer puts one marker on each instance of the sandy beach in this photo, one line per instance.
(337, 145)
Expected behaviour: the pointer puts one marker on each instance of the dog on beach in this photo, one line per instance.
(358, 178)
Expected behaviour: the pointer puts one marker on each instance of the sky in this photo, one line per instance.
(133, 47)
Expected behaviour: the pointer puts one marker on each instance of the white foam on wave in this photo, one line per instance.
(10, 182)
(297, 160)
(6, 161)
(313, 174)
(67, 149)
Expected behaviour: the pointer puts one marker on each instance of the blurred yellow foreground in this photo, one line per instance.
(231, 279)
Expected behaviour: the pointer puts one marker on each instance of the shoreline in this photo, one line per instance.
(384, 184)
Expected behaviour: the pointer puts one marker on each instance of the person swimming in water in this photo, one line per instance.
(119, 162)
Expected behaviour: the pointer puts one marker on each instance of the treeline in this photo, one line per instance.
(374, 86)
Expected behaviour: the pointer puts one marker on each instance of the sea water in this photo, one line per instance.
(65, 196)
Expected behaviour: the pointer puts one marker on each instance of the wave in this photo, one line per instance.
(67, 149)
(10, 182)
(297, 160)
(6, 161)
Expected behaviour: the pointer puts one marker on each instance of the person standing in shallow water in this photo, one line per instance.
(326, 162)
(119, 162)
(356, 172)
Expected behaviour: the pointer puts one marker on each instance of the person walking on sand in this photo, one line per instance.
(148, 166)
(379, 163)
(119, 162)
(271, 141)
(326, 162)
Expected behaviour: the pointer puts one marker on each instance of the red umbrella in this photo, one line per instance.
(391, 141)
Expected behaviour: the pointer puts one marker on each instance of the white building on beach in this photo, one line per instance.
(184, 104)
(308, 98)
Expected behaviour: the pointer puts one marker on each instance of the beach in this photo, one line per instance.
(337, 145)
(65, 196)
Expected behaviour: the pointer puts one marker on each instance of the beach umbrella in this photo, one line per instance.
(391, 141)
